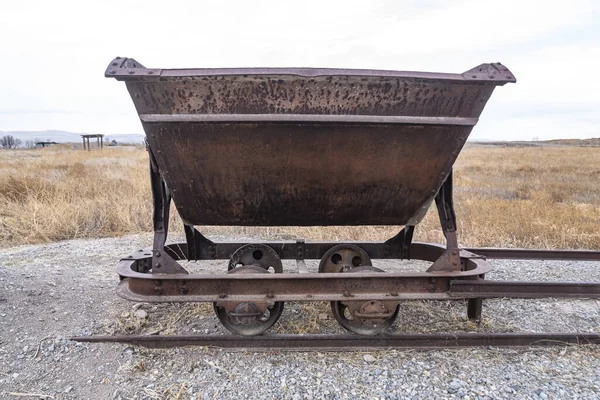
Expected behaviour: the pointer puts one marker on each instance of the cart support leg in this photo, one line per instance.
(474, 307)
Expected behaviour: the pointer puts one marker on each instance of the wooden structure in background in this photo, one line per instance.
(39, 145)
(86, 138)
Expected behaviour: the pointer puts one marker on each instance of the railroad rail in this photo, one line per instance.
(353, 342)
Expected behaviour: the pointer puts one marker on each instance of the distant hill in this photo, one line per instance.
(70, 137)
(590, 142)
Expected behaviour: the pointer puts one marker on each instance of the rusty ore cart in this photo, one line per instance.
(316, 147)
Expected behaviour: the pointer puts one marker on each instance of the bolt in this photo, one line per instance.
(346, 293)
(270, 295)
(158, 254)
(183, 290)
(157, 265)
(222, 296)
(395, 294)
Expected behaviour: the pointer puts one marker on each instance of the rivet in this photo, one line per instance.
(346, 294)
(394, 294)
(158, 254)
(473, 76)
(270, 296)
(491, 76)
(112, 71)
(150, 72)
(115, 64)
(222, 296)
(157, 265)
(118, 58)
(131, 72)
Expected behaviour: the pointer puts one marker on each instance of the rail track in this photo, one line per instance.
(352, 342)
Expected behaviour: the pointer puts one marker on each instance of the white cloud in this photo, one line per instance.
(57, 50)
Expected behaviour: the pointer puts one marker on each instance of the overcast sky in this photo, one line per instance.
(54, 53)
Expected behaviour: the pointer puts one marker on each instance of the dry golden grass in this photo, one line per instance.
(536, 197)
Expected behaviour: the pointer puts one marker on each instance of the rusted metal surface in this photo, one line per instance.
(248, 317)
(305, 146)
(349, 342)
(489, 289)
(343, 258)
(142, 286)
(535, 254)
(256, 254)
(422, 251)
(304, 174)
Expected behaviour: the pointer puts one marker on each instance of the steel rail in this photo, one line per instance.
(535, 254)
(348, 342)
(522, 289)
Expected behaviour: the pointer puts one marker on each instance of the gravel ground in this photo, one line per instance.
(50, 292)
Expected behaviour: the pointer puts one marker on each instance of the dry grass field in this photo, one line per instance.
(507, 196)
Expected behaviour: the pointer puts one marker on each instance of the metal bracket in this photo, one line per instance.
(399, 245)
(199, 246)
(161, 197)
(122, 67)
(450, 260)
(487, 72)
(300, 263)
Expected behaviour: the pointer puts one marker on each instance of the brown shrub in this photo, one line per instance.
(505, 196)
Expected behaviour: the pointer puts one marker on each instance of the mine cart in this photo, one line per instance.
(314, 147)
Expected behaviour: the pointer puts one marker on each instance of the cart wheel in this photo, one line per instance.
(256, 254)
(343, 258)
(370, 317)
(248, 318)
